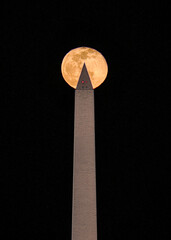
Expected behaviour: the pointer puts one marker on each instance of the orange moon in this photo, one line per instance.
(73, 62)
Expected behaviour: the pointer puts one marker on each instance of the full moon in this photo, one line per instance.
(95, 63)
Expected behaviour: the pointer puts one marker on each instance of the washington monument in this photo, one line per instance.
(84, 213)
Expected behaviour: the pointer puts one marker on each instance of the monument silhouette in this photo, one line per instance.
(84, 220)
(84, 209)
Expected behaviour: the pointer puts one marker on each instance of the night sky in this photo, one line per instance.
(131, 112)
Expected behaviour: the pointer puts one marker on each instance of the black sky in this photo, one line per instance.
(131, 110)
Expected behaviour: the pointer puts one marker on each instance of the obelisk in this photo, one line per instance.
(84, 69)
(84, 219)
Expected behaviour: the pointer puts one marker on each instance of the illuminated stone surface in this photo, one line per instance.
(84, 220)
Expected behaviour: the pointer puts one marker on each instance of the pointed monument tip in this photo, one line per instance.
(84, 68)
(84, 82)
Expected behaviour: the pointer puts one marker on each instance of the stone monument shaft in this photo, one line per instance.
(84, 220)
